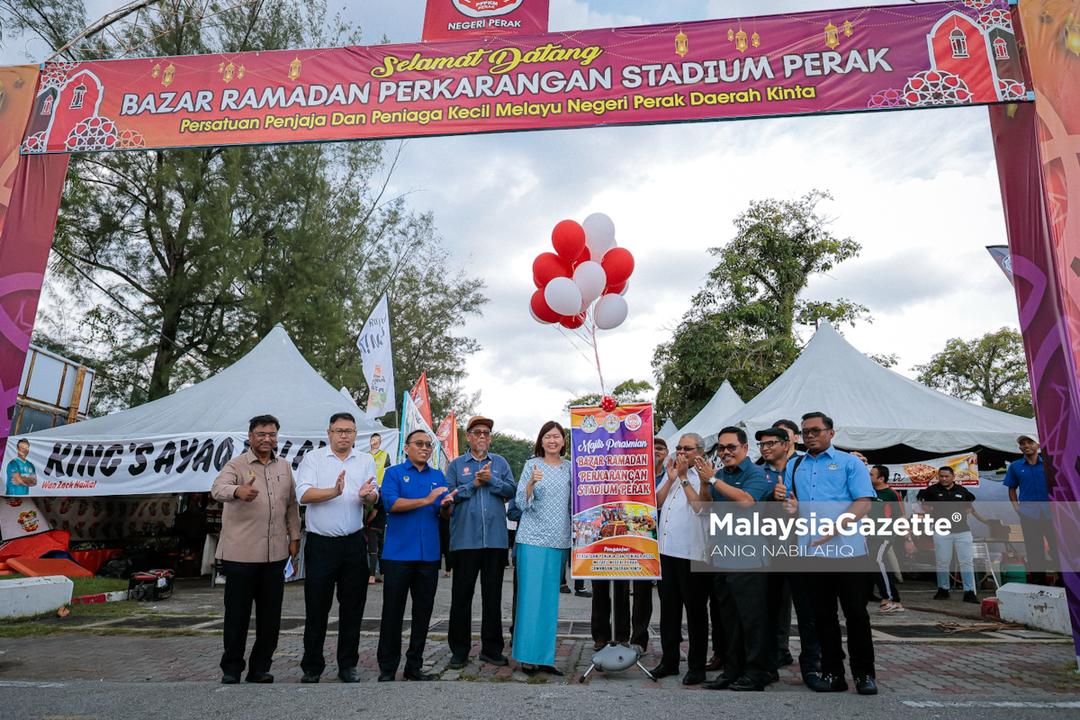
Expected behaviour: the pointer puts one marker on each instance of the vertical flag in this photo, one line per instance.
(1001, 256)
(447, 434)
(377, 356)
(419, 395)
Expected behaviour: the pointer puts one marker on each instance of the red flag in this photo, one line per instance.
(447, 434)
(419, 394)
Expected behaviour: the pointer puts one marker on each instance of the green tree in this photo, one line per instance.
(741, 325)
(185, 259)
(628, 391)
(991, 370)
(514, 449)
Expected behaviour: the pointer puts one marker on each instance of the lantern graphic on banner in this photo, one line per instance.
(682, 44)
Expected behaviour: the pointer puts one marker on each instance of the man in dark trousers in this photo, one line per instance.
(482, 483)
(415, 495)
(336, 484)
(260, 529)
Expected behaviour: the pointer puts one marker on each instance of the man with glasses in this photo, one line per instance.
(482, 483)
(742, 584)
(415, 496)
(830, 482)
(336, 484)
(778, 451)
(681, 536)
(260, 528)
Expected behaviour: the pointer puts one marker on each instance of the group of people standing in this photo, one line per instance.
(747, 603)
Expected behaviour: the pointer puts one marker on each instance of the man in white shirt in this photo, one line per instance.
(336, 484)
(681, 537)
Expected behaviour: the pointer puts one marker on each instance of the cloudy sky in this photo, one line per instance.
(918, 190)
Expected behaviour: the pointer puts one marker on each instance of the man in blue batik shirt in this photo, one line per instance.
(483, 483)
(829, 482)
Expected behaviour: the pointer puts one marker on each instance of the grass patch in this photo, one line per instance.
(95, 585)
(81, 615)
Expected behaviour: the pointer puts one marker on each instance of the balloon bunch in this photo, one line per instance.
(581, 285)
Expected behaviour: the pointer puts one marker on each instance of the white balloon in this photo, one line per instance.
(591, 280)
(610, 312)
(563, 296)
(599, 235)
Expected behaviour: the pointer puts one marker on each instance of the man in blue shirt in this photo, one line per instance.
(789, 588)
(21, 474)
(1030, 495)
(483, 483)
(834, 482)
(742, 586)
(415, 495)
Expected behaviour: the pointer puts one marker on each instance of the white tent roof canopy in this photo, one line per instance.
(873, 407)
(711, 418)
(272, 379)
(667, 429)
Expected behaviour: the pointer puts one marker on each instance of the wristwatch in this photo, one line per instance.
(684, 482)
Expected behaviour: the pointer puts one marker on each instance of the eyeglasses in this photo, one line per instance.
(480, 433)
(686, 448)
(339, 431)
(265, 435)
(422, 443)
(813, 432)
(728, 448)
(766, 444)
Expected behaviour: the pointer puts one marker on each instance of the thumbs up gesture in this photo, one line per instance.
(247, 491)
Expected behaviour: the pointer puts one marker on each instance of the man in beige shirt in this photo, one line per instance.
(260, 528)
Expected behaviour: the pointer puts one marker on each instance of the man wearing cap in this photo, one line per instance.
(1030, 495)
(483, 483)
(777, 450)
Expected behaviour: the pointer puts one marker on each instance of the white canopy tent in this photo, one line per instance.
(178, 443)
(711, 418)
(667, 430)
(874, 407)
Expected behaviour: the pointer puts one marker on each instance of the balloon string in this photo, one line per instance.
(569, 337)
(596, 353)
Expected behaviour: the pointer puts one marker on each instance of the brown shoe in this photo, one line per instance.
(599, 645)
(714, 664)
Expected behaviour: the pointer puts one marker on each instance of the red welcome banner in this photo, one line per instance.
(457, 19)
(902, 56)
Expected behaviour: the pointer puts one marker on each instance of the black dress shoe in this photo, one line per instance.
(497, 660)
(530, 670)
(866, 685)
(745, 684)
(715, 663)
(262, 678)
(970, 597)
(663, 671)
(457, 662)
(722, 682)
(583, 593)
(830, 683)
(786, 660)
(564, 589)
(229, 679)
(941, 594)
(349, 675)
(386, 677)
(693, 678)
(311, 677)
(420, 676)
(551, 670)
(774, 676)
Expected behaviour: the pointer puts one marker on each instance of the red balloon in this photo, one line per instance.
(618, 263)
(573, 322)
(541, 309)
(548, 266)
(585, 256)
(568, 239)
(615, 289)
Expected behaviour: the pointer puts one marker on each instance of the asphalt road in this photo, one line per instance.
(450, 700)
